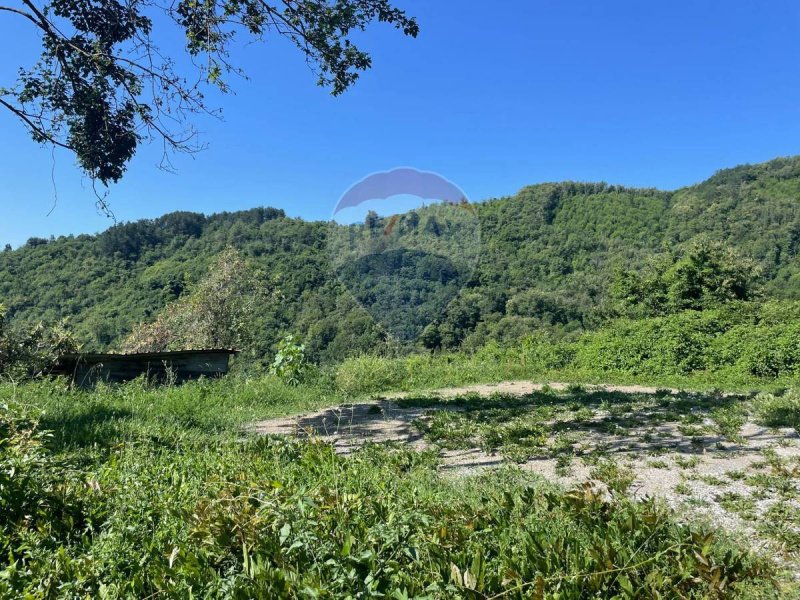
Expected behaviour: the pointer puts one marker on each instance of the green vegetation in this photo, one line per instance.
(135, 491)
(741, 347)
(30, 354)
(781, 411)
(218, 313)
(290, 365)
(142, 492)
(565, 259)
(707, 276)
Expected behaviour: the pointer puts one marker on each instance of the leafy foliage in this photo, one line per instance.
(102, 84)
(742, 345)
(708, 275)
(32, 353)
(40, 497)
(290, 364)
(217, 314)
(780, 410)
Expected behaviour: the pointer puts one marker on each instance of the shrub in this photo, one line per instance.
(737, 339)
(26, 354)
(369, 374)
(771, 351)
(290, 364)
(220, 312)
(779, 411)
(542, 353)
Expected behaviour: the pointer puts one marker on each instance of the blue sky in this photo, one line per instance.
(493, 96)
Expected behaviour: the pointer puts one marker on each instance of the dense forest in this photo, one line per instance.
(560, 257)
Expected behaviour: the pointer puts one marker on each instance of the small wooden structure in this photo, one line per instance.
(89, 368)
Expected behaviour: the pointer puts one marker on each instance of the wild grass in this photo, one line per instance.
(159, 493)
(369, 375)
(109, 415)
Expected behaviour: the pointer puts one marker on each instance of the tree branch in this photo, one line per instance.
(20, 12)
(37, 130)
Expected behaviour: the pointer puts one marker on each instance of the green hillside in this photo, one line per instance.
(548, 257)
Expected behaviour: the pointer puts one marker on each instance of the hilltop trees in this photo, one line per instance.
(706, 275)
(557, 258)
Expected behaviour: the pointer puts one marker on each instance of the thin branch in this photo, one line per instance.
(53, 180)
(22, 13)
(38, 130)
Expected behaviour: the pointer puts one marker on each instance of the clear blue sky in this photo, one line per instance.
(493, 96)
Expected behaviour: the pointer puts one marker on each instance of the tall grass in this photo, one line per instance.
(370, 375)
(157, 493)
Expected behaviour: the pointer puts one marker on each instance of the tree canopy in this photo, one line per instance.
(551, 259)
(706, 275)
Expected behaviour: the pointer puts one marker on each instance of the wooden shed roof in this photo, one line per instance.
(97, 356)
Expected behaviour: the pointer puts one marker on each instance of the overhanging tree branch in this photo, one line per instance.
(101, 86)
(38, 131)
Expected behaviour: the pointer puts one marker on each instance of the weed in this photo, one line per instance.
(743, 506)
(713, 481)
(616, 477)
(736, 475)
(688, 462)
(729, 422)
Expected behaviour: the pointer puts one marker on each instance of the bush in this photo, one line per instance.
(779, 411)
(739, 340)
(542, 353)
(26, 354)
(290, 364)
(768, 351)
(369, 374)
(674, 345)
(220, 312)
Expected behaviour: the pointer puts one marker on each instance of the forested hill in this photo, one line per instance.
(548, 257)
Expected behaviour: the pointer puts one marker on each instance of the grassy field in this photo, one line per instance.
(370, 375)
(157, 493)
